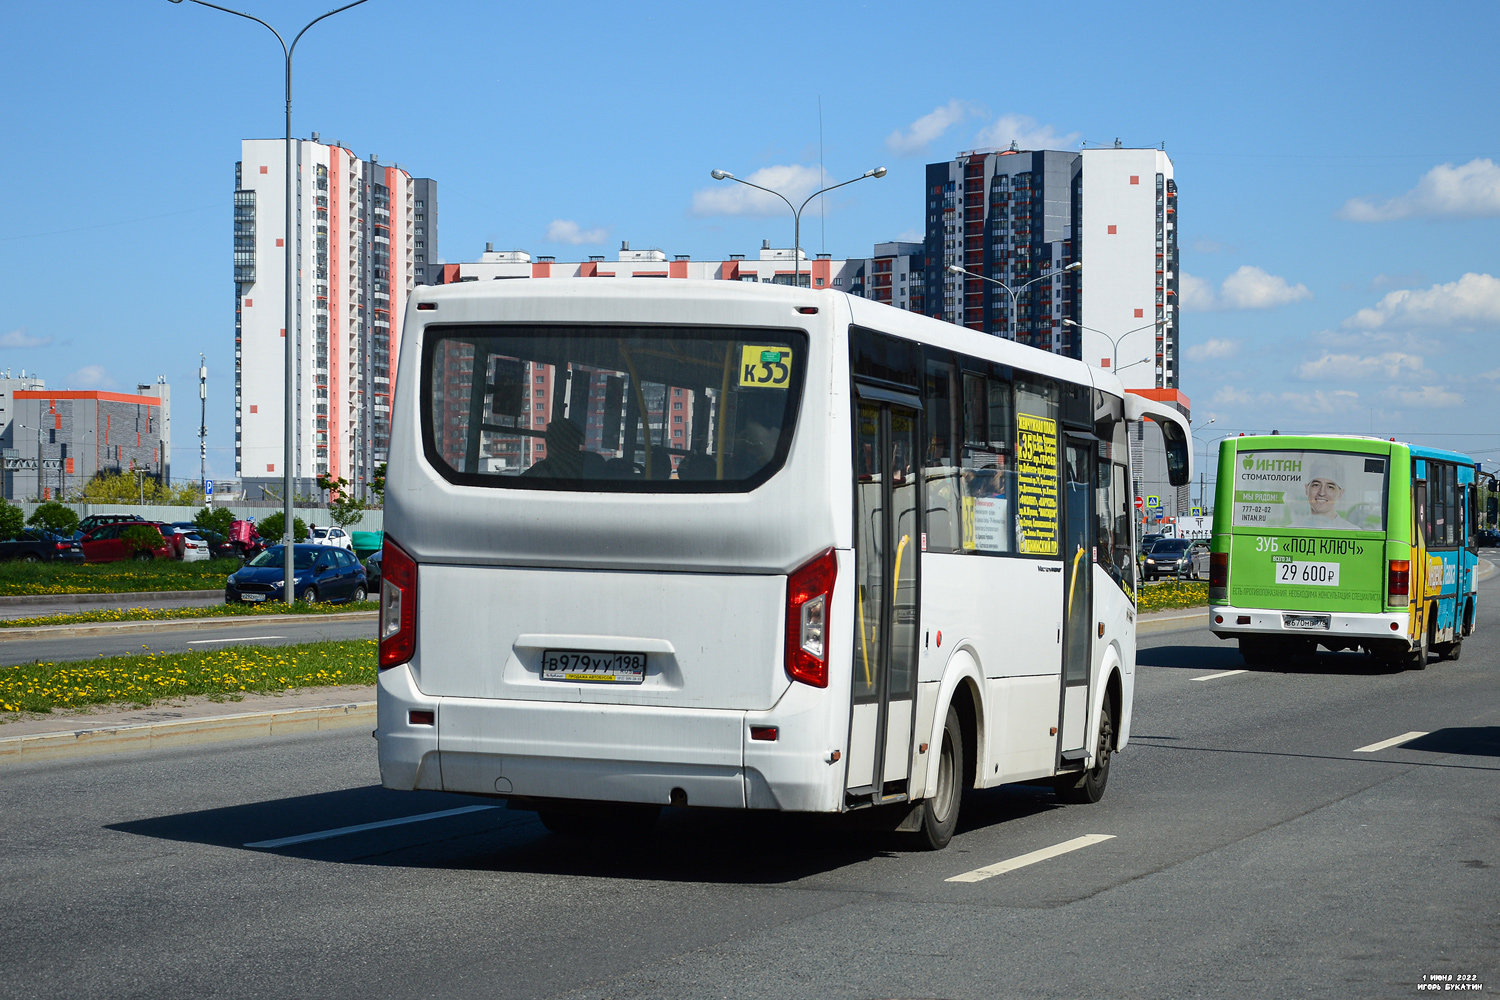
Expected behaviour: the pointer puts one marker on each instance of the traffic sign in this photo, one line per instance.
(208, 487)
(1197, 511)
(1139, 503)
(1153, 502)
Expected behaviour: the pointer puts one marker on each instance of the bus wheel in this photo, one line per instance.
(1257, 650)
(1089, 786)
(1417, 658)
(940, 809)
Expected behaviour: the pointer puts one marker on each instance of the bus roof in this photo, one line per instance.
(1300, 440)
(874, 315)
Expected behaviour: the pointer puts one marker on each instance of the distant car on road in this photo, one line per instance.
(35, 545)
(1177, 557)
(373, 567)
(321, 573)
(1487, 537)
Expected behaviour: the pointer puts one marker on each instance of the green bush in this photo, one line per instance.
(215, 519)
(141, 538)
(53, 516)
(12, 520)
(272, 526)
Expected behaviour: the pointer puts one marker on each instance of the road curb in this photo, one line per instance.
(184, 732)
(1173, 622)
(172, 624)
(22, 600)
(1485, 571)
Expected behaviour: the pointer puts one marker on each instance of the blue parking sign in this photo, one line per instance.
(208, 487)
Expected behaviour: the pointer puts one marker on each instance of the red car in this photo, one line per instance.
(105, 544)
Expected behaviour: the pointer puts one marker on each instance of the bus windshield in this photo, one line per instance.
(1323, 490)
(652, 409)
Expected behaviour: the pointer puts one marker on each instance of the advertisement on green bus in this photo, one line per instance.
(1308, 526)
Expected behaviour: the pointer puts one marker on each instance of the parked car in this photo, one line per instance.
(37, 545)
(1487, 537)
(373, 567)
(196, 548)
(321, 573)
(336, 536)
(1174, 557)
(93, 521)
(105, 544)
(174, 538)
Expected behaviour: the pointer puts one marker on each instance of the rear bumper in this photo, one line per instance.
(612, 753)
(1228, 622)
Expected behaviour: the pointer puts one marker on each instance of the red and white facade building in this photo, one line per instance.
(360, 238)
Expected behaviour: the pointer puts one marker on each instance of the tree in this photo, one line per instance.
(344, 508)
(377, 484)
(215, 519)
(272, 526)
(53, 516)
(12, 520)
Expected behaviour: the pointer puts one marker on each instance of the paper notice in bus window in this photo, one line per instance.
(990, 528)
(1331, 491)
(1036, 484)
(765, 367)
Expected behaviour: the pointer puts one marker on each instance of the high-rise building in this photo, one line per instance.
(356, 245)
(1022, 216)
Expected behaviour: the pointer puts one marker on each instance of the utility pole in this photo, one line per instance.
(202, 422)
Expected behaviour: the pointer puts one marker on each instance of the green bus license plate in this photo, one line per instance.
(1305, 621)
(593, 666)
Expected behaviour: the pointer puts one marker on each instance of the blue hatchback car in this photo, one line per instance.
(322, 573)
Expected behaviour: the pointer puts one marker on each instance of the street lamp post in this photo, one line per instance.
(288, 537)
(1015, 293)
(724, 175)
(1114, 342)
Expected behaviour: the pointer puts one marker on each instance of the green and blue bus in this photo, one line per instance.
(1344, 543)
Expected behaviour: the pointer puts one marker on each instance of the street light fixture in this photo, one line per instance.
(1015, 293)
(724, 175)
(288, 537)
(1114, 342)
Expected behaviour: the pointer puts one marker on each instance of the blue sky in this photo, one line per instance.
(1339, 166)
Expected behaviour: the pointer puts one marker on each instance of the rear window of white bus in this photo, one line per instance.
(611, 408)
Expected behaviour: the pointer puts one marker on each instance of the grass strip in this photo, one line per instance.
(107, 615)
(1173, 594)
(32, 579)
(145, 678)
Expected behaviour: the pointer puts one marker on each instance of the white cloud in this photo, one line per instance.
(729, 198)
(1362, 368)
(1247, 288)
(1470, 191)
(20, 338)
(1427, 397)
(1024, 131)
(1212, 246)
(91, 377)
(1211, 349)
(1471, 301)
(568, 231)
(930, 126)
(1317, 402)
(912, 236)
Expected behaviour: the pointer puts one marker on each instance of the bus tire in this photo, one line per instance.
(1454, 650)
(1089, 786)
(1257, 650)
(1417, 658)
(940, 809)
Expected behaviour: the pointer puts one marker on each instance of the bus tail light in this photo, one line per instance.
(398, 606)
(1218, 576)
(809, 592)
(1398, 583)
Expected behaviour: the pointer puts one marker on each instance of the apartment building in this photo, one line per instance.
(364, 233)
(55, 440)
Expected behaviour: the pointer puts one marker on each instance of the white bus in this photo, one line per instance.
(749, 547)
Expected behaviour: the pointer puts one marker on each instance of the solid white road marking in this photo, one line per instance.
(1222, 673)
(990, 871)
(238, 638)
(1393, 741)
(341, 831)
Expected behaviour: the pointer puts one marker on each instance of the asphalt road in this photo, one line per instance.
(1254, 852)
(242, 630)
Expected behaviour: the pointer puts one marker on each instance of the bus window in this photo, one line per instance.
(610, 408)
(944, 520)
(987, 465)
(1113, 509)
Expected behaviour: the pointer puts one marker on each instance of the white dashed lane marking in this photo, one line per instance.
(1222, 673)
(341, 831)
(1393, 741)
(1021, 861)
